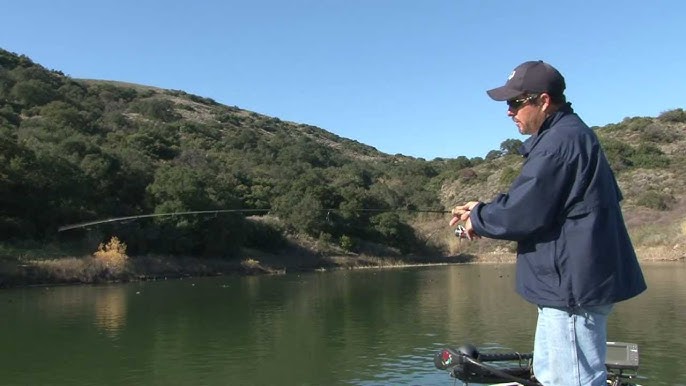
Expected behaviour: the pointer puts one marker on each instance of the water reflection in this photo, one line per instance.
(352, 327)
(110, 309)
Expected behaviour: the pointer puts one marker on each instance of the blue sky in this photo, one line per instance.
(404, 76)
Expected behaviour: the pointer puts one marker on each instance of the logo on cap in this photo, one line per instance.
(511, 75)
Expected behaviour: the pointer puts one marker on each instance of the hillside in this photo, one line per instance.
(648, 156)
(79, 150)
(75, 150)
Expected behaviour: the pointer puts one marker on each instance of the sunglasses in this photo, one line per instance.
(515, 104)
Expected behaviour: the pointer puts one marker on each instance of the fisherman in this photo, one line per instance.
(574, 256)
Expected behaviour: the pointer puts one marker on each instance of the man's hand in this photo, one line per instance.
(470, 230)
(461, 213)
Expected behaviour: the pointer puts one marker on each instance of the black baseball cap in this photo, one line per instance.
(530, 77)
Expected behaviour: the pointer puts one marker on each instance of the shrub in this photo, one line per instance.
(324, 240)
(649, 156)
(676, 115)
(347, 243)
(113, 255)
(467, 174)
(636, 123)
(508, 175)
(203, 100)
(263, 235)
(250, 263)
(656, 200)
(618, 154)
(157, 109)
(660, 134)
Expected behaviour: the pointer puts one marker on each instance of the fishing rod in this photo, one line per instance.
(125, 218)
(263, 210)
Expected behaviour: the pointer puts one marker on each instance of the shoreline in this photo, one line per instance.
(91, 270)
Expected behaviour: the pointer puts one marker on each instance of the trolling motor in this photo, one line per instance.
(467, 364)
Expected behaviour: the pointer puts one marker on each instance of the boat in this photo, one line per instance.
(470, 366)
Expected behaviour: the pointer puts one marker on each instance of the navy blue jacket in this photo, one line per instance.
(563, 210)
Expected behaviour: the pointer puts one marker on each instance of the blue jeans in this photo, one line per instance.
(570, 346)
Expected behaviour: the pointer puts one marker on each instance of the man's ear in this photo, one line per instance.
(545, 101)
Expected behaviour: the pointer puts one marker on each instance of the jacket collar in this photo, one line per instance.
(531, 142)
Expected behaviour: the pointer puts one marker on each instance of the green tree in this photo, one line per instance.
(37, 190)
(493, 154)
(157, 141)
(62, 114)
(32, 93)
(510, 146)
(303, 213)
(177, 188)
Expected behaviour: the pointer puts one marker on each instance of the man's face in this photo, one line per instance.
(527, 112)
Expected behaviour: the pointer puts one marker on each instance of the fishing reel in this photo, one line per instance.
(461, 232)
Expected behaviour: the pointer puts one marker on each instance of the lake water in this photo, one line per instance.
(362, 327)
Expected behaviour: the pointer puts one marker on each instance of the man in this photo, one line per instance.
(574, 255)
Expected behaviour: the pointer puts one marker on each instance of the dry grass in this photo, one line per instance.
(108, 263)
(662, 253)
(68, 270)
(252, 266)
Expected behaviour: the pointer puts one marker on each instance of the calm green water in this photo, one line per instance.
(370, 327)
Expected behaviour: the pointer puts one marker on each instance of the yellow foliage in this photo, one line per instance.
(250, 263)
(112, 254)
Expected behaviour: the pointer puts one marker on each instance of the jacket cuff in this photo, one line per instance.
(476, 219)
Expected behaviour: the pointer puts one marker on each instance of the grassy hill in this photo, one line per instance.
(79, 150)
